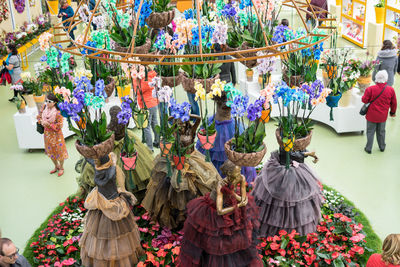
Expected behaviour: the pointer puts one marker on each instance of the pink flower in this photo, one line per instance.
(357, 238)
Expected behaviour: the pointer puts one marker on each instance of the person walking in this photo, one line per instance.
(13, 65)
(145, 94)
(54, 143)
(390, 256)
(383, 98)
(65, 13)
(388, 61)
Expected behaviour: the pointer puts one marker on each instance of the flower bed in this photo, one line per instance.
(343, 237)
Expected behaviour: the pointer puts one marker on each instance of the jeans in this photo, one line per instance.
(153, 114)
(379, 128)
(195, 106)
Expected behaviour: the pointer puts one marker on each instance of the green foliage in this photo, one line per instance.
(207, 129)
(251, 140)
(297, 128)
(254, 38)
(161, 6)
(202, 71)
(167, 70)
(129, 145)
(234, 39)
(381, 3)
(30, 86)
(294, 64)
(123, 36)
(18, 102)
(166, 131)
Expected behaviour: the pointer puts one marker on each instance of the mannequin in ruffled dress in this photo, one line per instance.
(219, 229)
(289, 197)
(169, 190)
(110, 236)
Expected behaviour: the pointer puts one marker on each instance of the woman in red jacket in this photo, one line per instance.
(390, 256)
(378, 110)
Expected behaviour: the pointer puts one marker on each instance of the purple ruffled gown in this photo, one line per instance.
(225, 131)
(288, 198)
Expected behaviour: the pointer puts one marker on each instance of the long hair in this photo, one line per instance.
(13, 49)
(391, 249)
(387, 45)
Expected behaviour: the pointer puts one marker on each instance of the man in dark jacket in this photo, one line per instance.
(378, 109)
(9, 256)
(228, 72)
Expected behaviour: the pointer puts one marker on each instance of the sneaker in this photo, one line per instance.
(11, 99)
(71, 44)
(156, 145)
(365, 149)
(382, 149)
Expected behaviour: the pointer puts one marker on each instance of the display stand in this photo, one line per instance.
(346, 119)
(353, 16)
(391, 25)
(29, 138)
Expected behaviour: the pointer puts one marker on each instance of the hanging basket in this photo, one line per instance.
(249, 63)
(129, 162)
(110, 87)
(299, 144)
(188, 83)
(265, 115)
(158, 20)
(96, 151)
(141, 120)
(165, 148)
(332, 101)
(244, 159)
(294, 80)
(179, 162)
(207, 144)
(169, 81)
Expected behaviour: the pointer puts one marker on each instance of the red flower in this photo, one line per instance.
(310, 251)
(358, 249)
(282, 232)
(71, 249)
(274, 246)
(282, 252)
(335, 255)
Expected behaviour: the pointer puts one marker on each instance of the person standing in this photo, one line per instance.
(228, 72)
(388, 61)
(65, 13)
(13, 65)
(145, 94)
(9, 256)
(390, 256)
(378, 110)
(54, 143)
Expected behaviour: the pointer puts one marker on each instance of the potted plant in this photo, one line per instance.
(94, 140)
(169, 74)
(365, 67)
(249, 74)
(380, 11)
(247, 148)
(264, 68)
(199, 73)
(20, 103)
(295, 107)
(162, 14)
(30, 87)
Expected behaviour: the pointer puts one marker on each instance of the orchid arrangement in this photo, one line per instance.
(80, 106)
(30, 84)
(295, 107)
(365, 67)
(179, 112)
(127, 105)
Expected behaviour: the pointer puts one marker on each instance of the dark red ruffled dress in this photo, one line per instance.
(221, 241)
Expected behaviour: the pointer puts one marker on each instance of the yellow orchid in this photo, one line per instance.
(210, 95)
(217, 87)
(200, 92)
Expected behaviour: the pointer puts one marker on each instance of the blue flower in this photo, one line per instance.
(99, 88)
(188, 13)
(124, 116)
(180, 111)
(43, 58)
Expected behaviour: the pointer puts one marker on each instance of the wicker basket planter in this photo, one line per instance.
(96, 151)
(244, 159)
(158, 20)
(299, 144)
(188, 83)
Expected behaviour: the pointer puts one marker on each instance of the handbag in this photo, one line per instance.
(364, 108)
(39, 128)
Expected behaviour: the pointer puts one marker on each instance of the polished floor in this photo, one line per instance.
(28, 193)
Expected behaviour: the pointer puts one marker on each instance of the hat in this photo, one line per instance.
(381, 76)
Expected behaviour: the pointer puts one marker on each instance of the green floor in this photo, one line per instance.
(28, 193)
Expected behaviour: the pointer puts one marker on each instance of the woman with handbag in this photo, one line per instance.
(13, 65)
(381, 97)
(54, 143)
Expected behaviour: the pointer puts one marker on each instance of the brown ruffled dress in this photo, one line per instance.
(111, 236)
(166, 199)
